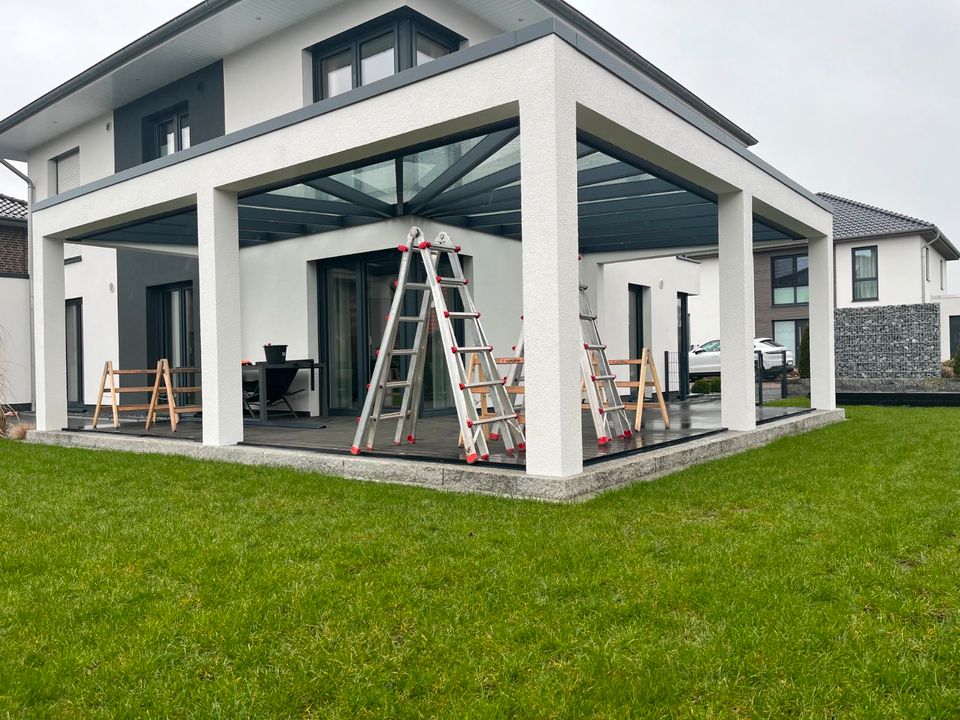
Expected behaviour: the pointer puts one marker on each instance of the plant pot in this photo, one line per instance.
(275, 353)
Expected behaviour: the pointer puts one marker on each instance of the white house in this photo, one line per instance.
(244, 173)
(882, 258)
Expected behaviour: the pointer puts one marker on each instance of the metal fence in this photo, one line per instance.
(770, 384)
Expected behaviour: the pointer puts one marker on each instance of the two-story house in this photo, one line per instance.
(244, 174)
(882, 258)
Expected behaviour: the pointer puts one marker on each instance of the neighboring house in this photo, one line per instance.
(14, 304)
(244, 174)
(882, 258)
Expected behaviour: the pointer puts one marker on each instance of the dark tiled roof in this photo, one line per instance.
(852, 219)
(12, 209)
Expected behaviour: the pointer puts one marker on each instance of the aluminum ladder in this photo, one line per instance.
(433, 304)
(607, 409)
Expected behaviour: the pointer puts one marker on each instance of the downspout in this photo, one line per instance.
(924, 262)
(31, 198)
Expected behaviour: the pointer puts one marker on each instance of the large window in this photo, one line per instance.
(790, 280)
(174, 332)
(378, 49)
(865, 274)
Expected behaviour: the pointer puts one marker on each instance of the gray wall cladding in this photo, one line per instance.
(888, 341)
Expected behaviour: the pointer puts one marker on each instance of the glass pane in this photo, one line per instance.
(380, 277)
(166, 138)
(184, 131)
(864, 263)
(803, 294)
(783, 296)
(422, 168)
(783, 272)
(338, 74)
(785, 333)
(428, 50)
(340, 312)
(74, 362)
(378, 181)
(377, 59)
(865, 290)
(175, 329)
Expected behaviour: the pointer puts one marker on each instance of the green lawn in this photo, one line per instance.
(817, 577)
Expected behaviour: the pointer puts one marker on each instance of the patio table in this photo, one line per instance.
(312, 365)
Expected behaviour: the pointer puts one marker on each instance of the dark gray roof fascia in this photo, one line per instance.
(596, 33)
(152, 39)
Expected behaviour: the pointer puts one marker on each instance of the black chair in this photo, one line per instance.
(279, 381)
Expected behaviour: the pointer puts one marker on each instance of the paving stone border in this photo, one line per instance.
(595, 479)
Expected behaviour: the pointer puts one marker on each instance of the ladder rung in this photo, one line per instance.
(651, 405)
(588, 346)
(408, 318)
(453, 282)
(391, 416)
(130, 390)
(509, 361)
(583, 287)
(415, 286)
(185, 390)
(403, 351)
(599, 378)
(397, 384)
(587, 317)
(614, 408)
(488, 420)
(634, 384)
(477, 349)
(463, 315)
(487, 383)
(516, 390)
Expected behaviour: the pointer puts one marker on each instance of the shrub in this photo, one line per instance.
(19, 431)
(956, 363)
(803, 361)
(715, 385)
(702, 385)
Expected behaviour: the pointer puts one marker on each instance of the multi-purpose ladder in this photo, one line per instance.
(607, 410)
(431, 303)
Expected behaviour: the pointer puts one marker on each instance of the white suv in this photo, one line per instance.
(705, 358)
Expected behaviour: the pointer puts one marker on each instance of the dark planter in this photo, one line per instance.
(275, 353)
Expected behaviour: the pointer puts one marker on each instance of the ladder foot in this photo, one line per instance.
(471, 458)
(397, 442)
(494, 436)
(354, 450)
(522, 446)
(485, 456)
(509, 451)
(603, 440)
(628, 434)
(411, 439)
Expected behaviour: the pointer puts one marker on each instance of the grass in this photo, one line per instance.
(817, 577)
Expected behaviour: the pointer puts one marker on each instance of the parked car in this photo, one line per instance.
(705, 358)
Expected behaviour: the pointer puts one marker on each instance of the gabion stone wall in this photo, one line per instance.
(888, 341)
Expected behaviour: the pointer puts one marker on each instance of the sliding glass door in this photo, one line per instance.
(355, 294)
(74, 318)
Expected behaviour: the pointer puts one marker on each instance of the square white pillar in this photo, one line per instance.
(49, 332)
(737, 312)
(823, 394)
(548, 171)
(218, 236)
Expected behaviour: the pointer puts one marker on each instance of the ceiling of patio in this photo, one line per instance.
(471, 182)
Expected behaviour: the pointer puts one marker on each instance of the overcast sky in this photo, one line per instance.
(855, 97)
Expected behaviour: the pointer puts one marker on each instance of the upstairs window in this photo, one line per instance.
(66, 169)
(378, 49)
(866, 281)
(172, 133)
(791, 284)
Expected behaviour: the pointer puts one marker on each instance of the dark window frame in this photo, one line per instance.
(152, 125)
(404, 23)
(859, 280)
(797, 331)
(773, 280)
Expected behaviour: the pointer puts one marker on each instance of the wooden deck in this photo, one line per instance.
(437, 436)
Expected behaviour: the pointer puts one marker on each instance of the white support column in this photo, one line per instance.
(823, 394)
(218, 238)
(49, 333)
(737, 312)
(548, 170)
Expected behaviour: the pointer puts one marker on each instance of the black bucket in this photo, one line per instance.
(275, 353)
